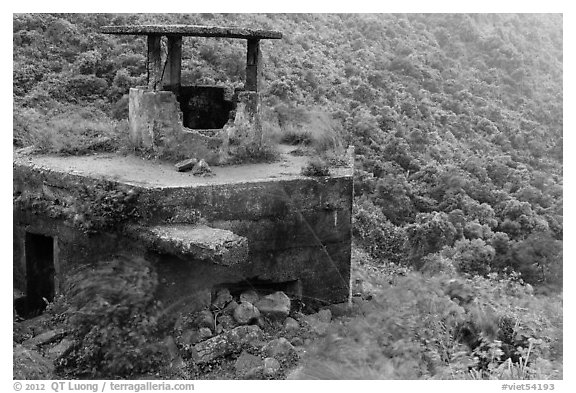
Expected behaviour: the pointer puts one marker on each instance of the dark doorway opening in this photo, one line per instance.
(39, 251)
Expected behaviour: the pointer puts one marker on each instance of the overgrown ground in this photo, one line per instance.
(400, 324)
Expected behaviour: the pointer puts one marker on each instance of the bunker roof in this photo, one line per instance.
(192, 31)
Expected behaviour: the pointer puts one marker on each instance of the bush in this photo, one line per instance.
(472, 256)
(114, 319)
(413, 330)
(316, 166)
(381, 238)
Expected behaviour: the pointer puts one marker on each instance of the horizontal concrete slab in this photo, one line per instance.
(194, 241)
(192, 31)
(135, 171)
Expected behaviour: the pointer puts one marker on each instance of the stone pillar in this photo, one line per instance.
(154, 63)
(253, 65)
(172, 73)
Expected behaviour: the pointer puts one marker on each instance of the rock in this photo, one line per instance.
(297, 341)
(250, 296)
(246, 363)
(227, 322)
(223, 297)
(202, 169)
(246, 313)
(290, 324)
(271, 367)
(279, 348)
(204, 333)
(204, 318)
(44, 338)
(324, 315)
(61, 349)
(230, 307)
(227, 343)
(29, 364)
(186, 165)
(274, 306)
(219, 329)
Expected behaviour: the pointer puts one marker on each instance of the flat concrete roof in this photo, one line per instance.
(145, 173)
(192, 31)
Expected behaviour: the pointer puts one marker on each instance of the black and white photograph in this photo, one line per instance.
(286, 196)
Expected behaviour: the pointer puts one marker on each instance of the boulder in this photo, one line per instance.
(271, 367)
(226, 343)
(274, 306)
(204, 333)
(227, 322)
(279, 348)
(223, 297)
(250, 296)
(290, 324)
(246, 363)
(246, 313)
(230, 307)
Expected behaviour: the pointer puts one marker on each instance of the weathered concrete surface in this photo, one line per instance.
(297, 228)
(194, 241)
(192, 30)
(156, 124)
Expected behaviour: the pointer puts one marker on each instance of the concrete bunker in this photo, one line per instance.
(252, 226)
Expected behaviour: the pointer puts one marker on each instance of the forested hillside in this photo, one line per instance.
(456, 121)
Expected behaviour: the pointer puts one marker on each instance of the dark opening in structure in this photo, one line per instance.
(263, 287)
(39, 251)
(205, 107)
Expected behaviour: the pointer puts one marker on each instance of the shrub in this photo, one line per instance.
(114, 319)
(472, 256)
(316, 166)
(376, 233)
